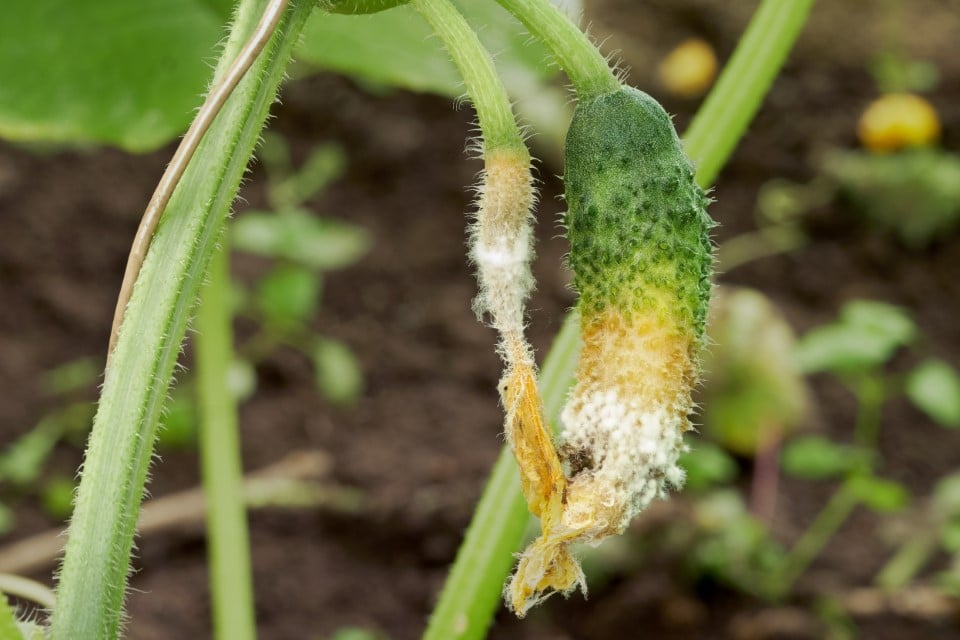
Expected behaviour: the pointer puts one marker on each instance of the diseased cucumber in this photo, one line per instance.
(637, 221)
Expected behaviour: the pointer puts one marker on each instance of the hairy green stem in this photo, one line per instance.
(486, 91)
(94, 572)
(469, 597)
(228, 546)
(583, 63)
(736, 98)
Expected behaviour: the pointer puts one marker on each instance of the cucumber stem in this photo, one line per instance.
(487, 93)
(228, 545)
(722, 120)
(583, 63)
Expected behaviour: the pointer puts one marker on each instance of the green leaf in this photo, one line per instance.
(866, 336)
(707, 465)
(877, 494)
(396, 47)
(129, 74)
(9, 629)
(324, 165)
(934, 387)
(355, 633)
(57, 497)
(297, 235)
(22, 461)
(7, 519)
(816, 457)
(338, 373)
(950, 536)
(288, 295)
(72, 376)
(946, 496)
(241, 379)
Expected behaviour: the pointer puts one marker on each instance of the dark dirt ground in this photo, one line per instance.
(420, 441)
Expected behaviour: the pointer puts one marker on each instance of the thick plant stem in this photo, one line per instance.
(94, 572)
(228, 546)
(469, 597)
(188, 146)
(586, 67)
(731, 105)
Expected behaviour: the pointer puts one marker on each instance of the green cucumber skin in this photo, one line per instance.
(637, 222)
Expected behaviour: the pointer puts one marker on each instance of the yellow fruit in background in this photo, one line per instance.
(689, 69)
(897, 120)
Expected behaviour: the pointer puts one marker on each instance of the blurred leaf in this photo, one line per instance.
(110, 71)
(877, 494)
(948, 582)
(719, 508)
(838, 623)
(950, 536)
(300, 237)
(865, 336)
(288, 295)
(816, 457)
(736, 547)
(57, 497)
(707, 465)
(753, 393)
(946, 496)
(179, 430)
(355, 633)
(895, 74)
(914, 193)
(274, 154)
(7, 519)
(338, 373)
(22, 461)
(241, 379)
(397, 48)
(72, 376)
(934, 387)
(324, 165)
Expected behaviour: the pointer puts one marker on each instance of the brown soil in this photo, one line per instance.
(421, 440)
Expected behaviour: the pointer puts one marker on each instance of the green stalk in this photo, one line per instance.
(228, 546)
(469, 597)
(731, 105)
(94, 572)
(583, 63)
(808, 547)
(487, 93)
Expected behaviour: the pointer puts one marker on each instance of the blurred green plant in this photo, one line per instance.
(303, 247)
(135, 85)
(915, 193)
